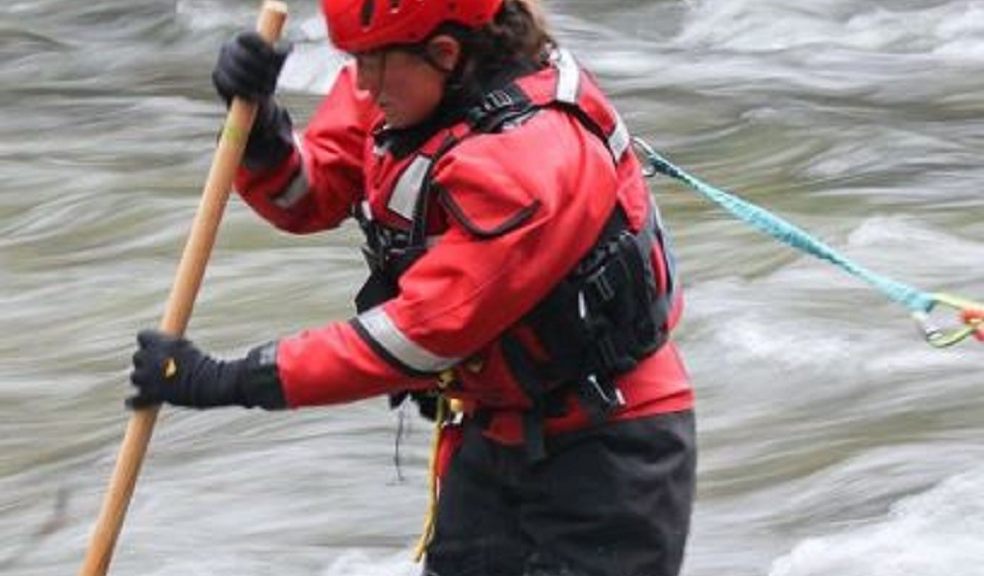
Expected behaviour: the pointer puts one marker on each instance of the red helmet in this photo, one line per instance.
(362, 25)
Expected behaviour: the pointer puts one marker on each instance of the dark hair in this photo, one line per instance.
(516, 39)
(518, 32)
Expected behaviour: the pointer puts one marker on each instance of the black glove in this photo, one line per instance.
(248, 67)
(173, 371)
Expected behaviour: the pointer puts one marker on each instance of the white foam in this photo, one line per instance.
(812, 315)
(314, 63)
(757, 26)
(352, 562)
(360, 563)
(954, 30)
(204, 15)
(311, 67)
(937, 533)
(911, 247)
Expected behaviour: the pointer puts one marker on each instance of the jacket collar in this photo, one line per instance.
(453, 109)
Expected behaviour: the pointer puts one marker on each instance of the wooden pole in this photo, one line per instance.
(187, 282)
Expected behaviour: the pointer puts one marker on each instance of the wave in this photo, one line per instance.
(951, 30)
(936, 533)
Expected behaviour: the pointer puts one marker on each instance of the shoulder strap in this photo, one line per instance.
(418, 233)
(497, 108)
(565, 86)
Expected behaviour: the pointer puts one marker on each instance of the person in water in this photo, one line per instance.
(520, 290)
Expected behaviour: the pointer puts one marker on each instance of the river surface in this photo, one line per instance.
(833, 440)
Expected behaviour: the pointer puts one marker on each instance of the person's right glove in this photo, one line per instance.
(248, 68)
(172, 370)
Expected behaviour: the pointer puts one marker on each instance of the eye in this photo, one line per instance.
(370, 62)
(363, 58)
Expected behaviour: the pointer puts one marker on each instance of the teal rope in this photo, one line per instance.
(784, 231)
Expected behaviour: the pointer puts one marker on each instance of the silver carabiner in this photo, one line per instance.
(642, 148)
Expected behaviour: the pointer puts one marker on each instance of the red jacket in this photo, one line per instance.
(516, 211)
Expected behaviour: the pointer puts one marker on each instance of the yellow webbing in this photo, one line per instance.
(430, 515)
(444, 408)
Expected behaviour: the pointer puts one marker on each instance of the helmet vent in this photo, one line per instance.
(394, 5)
(368, 11)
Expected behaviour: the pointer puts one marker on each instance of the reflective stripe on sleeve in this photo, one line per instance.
(392, 343)
(299, 186)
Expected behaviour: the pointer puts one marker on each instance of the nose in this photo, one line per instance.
(365, 81)
(369, 72)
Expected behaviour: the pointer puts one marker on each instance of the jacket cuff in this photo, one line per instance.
(272, 138)
(259, 383)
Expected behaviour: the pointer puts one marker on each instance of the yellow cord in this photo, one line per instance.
(431, 515)
(445, 407)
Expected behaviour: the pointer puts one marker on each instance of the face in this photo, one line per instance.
(405, 85)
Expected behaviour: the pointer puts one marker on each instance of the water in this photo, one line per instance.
(833, 441)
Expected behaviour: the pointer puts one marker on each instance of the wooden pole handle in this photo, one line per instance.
(180, 304)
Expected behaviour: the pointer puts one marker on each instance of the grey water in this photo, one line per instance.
(833, 440)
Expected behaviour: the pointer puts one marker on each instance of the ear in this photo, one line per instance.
(444, 52)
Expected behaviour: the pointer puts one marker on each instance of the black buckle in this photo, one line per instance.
(484, 116)
(497, 100)
(600, 287)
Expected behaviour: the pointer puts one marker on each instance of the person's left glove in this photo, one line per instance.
(248, 68)
(173, 371)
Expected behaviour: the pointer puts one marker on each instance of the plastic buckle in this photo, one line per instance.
(975, 319)
(497, 100)
(599, 288)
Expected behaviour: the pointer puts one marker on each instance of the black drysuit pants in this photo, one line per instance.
(613, 500)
